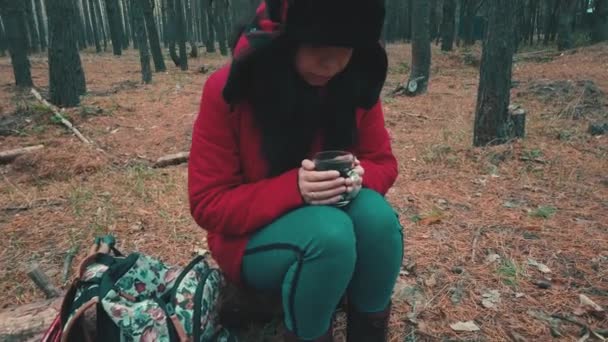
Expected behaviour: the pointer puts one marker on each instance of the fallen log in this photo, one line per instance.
(60, 116)
(42, 281)
(172, 159)
(28, 322)
(10, 155)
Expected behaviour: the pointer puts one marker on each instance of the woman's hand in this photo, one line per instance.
(354, 183)
(320, 187)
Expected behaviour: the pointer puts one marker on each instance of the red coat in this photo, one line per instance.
(231, 196)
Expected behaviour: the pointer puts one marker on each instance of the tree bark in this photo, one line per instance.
(33, 28)
(190, 31)
(114, 22)
(94, 27)
(28, 322)
(468, 12)
(448, 25)
(100, 22)
(66, 76)
(566, 16)
(181, 34)
(172, 31)
(433, 19)
(131, 20)
(13, 15)
(493, 124)
(421, 48)
(41, 23)
(157, 53)
(551, 12)
(79, 28)
(220, 9)
(164, 13)
(87, 22)
(142, 40)
(3, 39)
(600, 22)
(210, 43)
(124, 21)
(203, 23)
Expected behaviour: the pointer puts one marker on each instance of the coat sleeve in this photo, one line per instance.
(375, 152)
(220, 200)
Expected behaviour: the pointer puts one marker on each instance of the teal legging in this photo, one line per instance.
(316, 254)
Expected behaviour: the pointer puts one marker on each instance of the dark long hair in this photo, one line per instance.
(289, 112)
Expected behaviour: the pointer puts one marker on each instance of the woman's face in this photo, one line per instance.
(318, 65)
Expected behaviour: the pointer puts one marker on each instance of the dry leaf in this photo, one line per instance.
(464, 326)
(490, 299)
(541, 267)
(585, 301)
(427, 221)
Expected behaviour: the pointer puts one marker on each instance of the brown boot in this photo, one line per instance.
(291, 337)
(367, 327)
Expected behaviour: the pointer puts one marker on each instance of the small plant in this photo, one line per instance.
(532, 154)
(544, 212)
(436, 153)
(565, 135)
(415, 218)
(403, 68)
(510, 272)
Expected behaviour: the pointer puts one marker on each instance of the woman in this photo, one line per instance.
(306, 77)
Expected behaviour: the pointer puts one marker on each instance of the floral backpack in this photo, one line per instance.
(139, 298)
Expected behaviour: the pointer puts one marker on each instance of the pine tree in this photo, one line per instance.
(80, 29)
(448, 25)
(66, 76)
(600, 21)
(32, 27)
(220, 8)
(142, 41)
(564, 30)
(493, 125)
(87, 23)
(203, 15)
(421, 48)
(210, 42)
(101, 29)
(172, 31)
(3, 39)
(157, 54)
(14, 20)
(114, 22)
(41, 23)
(94, 27)
(181, 34)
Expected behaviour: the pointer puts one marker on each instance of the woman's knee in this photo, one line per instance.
(375, 221)
(332, 234)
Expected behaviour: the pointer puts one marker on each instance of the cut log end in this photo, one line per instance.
(42, 281)
(172, 159)
(10, 155)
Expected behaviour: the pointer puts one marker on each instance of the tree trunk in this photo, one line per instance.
(131, 19)
(94, 27)
(13, 15)
(532, 21)
(172, 31)
(3, 40)
(98, 14)
(66, 76)
(139, 27)
(80, 29)
(210, 43)
(203, 23)
(433, 19)
(408, 22)
(600, 21)
(33, 28)
(41, 23)
(448, 24)
(551, 12)
(157, 53)
(492, 122)
(164, 13)
(124, 21)
(190, 31)
(221, 11)
(468, 12)
(114, 22)
(421, 48)
(87, 22)
(181, 34)
(566, 16)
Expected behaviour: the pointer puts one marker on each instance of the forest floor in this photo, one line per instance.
(506, 237)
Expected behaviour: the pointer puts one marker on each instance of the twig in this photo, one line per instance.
(34, 204)
(172, 159)
(418, 116)
(475, 241)
(62, 118)
(10, 155)
(42, 281)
